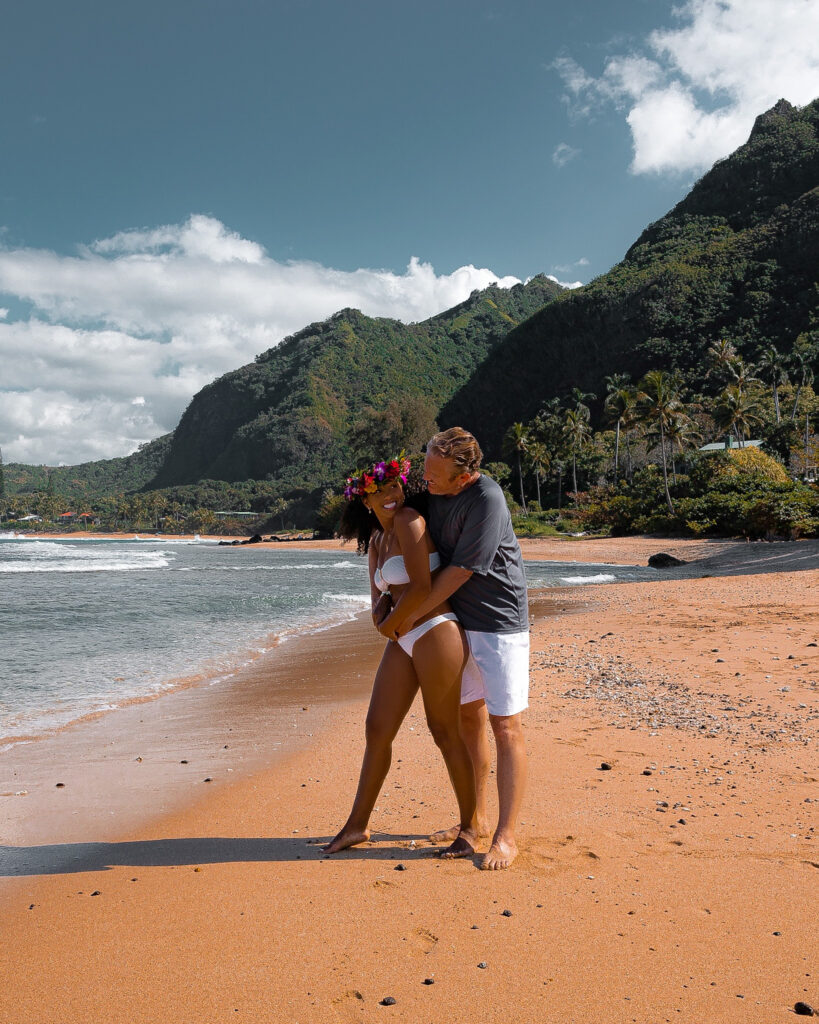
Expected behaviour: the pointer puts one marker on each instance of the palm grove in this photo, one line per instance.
(642, 469)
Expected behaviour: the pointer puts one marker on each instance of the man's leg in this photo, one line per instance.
(512, 773)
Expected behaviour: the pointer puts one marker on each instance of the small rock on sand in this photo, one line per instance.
(664, 561)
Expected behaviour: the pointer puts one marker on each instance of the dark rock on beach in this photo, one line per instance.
(664, 561)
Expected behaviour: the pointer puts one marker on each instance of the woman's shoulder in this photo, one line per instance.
(406, 515)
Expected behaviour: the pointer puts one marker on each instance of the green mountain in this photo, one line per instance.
(288, 416)
(737, 259)
(90, 480)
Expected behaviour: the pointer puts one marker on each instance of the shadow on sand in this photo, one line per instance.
(749, 559)
(75, 858)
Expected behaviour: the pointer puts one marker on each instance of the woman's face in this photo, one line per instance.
(386, 501)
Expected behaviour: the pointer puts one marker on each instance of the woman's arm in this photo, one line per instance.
(411, 533)
(377, 599)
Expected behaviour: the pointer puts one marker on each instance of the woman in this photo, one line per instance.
(431, 655)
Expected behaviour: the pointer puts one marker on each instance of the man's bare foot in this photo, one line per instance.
(449, 835)
(347, 838)
(500, 855)
(463, 846)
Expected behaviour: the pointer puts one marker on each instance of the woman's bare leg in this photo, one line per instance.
(394, 690)
(439, 658)
(475, 731)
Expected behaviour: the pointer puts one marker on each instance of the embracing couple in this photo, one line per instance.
(449, 594)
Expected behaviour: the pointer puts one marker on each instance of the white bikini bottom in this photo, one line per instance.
(408, 640)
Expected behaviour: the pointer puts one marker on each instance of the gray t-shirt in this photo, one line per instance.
(473, 530)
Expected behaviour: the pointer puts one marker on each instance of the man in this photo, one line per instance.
(483, 579)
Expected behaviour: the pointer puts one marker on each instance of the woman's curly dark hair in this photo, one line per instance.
(358, 522)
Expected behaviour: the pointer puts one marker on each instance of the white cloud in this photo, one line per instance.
(123, 335)
(692, 95)
(563, 154)
(565, 284)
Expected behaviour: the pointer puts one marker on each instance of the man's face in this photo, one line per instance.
(442, 475)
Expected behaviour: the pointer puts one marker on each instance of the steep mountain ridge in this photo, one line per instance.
(737, 259)
(288, 415)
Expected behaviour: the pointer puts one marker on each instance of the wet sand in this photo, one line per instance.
(678, 883)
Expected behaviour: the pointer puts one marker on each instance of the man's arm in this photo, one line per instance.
(444, 585)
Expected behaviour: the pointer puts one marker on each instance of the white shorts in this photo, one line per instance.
(497, 671)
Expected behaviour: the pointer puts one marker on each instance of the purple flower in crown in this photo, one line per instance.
(367, 481)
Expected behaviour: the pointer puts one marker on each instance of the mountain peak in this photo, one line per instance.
(771, 118)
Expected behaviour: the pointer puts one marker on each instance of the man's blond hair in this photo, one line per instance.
(460, 446)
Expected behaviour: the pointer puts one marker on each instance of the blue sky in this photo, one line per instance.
(184, 183)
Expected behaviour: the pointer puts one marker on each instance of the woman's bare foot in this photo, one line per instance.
(449, 835)
(463, 845)
(500, 855)
(346, 838)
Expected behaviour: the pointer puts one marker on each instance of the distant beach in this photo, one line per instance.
(669, 834)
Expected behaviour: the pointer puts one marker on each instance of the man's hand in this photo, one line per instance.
(387, 631)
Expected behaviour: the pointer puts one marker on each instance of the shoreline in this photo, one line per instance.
(153, 756)
(606, 551)
(680, 879)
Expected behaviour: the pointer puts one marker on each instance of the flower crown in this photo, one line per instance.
(369, 480)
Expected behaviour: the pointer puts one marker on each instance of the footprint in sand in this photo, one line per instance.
(425, 940)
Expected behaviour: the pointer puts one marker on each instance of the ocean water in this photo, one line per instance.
(87, 624)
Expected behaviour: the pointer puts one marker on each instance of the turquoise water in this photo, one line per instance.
(88, 624)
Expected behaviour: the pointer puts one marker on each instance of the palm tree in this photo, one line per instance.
(621, 401)
(577, 430)
(681, 433)
(660, 402)
(803, 374)
(540, 462)
(581, 397)
(772, 368)
(743, 374)
(516, 442)
(723, 355)
(736, 412)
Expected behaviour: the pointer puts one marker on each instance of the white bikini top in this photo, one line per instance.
(394, 571)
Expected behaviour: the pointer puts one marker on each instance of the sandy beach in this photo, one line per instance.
(670, 835)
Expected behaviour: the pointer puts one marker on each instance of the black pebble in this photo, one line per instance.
(183, 762)
(96, 892)
(208, 779)
(474, 927)
(60, 785)
(647, 771)
(387, 1001)
(804, 1010)
(507, 913)
(429, 981)
(681, 821)
(483, 965)
(399, 867)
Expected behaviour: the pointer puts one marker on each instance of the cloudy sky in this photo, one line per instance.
(185, 182)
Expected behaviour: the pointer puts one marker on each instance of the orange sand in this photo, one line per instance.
(687, 894)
